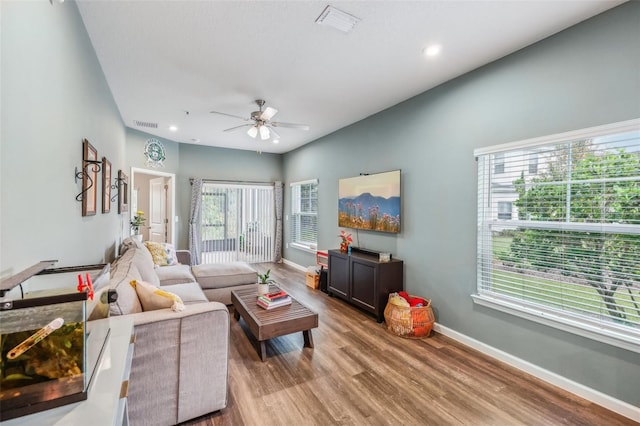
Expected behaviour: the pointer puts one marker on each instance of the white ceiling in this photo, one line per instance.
(164, 58)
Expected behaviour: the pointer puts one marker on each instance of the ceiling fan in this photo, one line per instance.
(260, 122)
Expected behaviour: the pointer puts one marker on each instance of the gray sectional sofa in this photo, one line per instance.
(180, 362)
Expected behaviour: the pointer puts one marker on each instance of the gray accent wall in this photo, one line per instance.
(585, 76)
(197, 161)
(54, 94)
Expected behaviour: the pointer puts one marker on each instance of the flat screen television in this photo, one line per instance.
(370, 202)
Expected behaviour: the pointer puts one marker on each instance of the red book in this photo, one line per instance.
(275, 295)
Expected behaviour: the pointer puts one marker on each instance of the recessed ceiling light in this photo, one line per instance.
(173, 128)
(276, 141)
(432, 50)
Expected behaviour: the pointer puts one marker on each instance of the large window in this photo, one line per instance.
(570, 255)
(304, 214)
(237, 222)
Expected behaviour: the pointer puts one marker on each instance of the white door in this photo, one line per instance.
(157, 210)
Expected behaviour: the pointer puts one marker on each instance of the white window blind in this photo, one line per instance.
(560, 242)
(237, 222)
(304, 214)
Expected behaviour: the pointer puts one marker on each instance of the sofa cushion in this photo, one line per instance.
(123, 270)
(96, 308)
(152, 297)
(129, 243)
(144, 263)
(190, 293)
(219, 275)
(175, 274)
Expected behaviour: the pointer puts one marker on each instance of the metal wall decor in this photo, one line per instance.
(155, 153)
(123, 192)
(91, 166)
(106, 185)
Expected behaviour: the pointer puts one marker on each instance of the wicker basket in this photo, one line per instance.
(410, 322)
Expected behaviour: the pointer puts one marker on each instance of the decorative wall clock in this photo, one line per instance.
(154, 151)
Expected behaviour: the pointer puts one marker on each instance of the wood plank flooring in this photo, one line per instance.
(360, 374)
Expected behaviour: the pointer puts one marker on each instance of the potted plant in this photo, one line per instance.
(136, 223)
(263, 282)
(345, 242)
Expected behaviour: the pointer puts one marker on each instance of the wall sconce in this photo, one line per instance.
(116, 188)
(84, 175)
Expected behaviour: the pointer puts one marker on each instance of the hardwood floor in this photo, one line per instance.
(360, 374)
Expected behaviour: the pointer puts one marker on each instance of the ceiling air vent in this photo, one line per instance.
(145, 124)
(337, 19)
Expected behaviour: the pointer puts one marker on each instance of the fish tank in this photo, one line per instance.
(43, 350)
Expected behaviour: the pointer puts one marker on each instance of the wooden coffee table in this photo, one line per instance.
(267, 324)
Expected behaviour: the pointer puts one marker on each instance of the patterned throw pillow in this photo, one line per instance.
(152, 297)
(158, 253)
(163, 254)
(170, 251)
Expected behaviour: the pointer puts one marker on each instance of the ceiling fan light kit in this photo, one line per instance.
(264, 132)
(262, 123)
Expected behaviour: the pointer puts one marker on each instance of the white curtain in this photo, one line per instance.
(194, 221)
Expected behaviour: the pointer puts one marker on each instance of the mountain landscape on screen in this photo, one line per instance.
(370, 202)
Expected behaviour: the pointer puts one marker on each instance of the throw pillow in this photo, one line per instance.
(152, 297)
(170, 251)
(158, 253)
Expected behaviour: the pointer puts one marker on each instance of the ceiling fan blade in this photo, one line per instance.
(230, 115)
(236, 127)
(289, 125)
(275, 134)
(268, 113)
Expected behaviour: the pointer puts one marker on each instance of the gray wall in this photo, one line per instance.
(585, 76)
(197, 161)
(54, 94)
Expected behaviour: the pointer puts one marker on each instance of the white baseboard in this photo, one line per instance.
(613, 404)
(295, 265)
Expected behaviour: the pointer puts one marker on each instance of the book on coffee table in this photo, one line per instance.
(266, 303)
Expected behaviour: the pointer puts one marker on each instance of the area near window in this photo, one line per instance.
(304, 214)
(237, 222)
(559, 231)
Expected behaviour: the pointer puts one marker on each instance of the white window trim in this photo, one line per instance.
(579, 325)
(309, 248)
(591, 132)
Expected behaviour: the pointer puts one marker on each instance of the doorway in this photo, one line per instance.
(153, 192)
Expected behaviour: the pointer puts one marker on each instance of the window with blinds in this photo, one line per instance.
(560, 242)
(237, 223)
(304, 214)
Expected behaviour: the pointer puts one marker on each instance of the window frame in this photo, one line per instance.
(297, 212)
(599, 330)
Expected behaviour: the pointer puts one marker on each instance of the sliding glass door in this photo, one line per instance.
(237, 223)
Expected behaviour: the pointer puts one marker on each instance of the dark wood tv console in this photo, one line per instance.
(362, 280)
